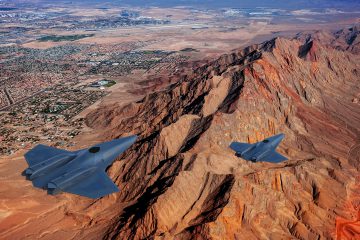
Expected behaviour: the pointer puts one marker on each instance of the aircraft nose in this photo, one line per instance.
(117, 146)
(279, 138)
(130, 140)
(126, 142)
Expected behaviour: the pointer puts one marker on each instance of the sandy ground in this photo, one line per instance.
(207, 37)
(20, 202)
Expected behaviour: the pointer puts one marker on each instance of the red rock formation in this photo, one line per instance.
(181, 181)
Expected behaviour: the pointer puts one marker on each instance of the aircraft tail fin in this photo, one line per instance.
(41, 153)
(274, 157)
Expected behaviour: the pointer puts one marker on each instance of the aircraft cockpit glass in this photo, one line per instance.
(94, 149)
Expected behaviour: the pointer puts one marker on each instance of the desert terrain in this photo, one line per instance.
(48, 56)
(188, 82)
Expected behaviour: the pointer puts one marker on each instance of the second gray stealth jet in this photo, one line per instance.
(263, 151)
(81, 172)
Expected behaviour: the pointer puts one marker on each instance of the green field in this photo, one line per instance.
(62, 38)
(111, 83)
(189, 50)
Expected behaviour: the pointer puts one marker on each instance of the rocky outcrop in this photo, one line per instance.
(187, 184)
(346, 39)
(181, 181)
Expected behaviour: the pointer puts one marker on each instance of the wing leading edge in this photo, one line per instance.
(97, 185)
(240, 147)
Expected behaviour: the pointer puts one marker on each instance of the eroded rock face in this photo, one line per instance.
(181, 181)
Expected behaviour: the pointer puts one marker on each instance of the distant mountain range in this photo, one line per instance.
(243, 3)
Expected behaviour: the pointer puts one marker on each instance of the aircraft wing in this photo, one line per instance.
(273, 157)
(240, 147)
(95, 186)
(41, 153)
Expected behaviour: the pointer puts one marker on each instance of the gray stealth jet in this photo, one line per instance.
(81, 172)
(263, 151)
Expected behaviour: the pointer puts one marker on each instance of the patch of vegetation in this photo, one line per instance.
(103, 83)
(61, 38)
(152, 52)
(189, 50)
(55, 109)
(7, 9)
(110, 83)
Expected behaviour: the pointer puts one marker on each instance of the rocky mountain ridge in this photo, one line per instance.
(181, 181)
